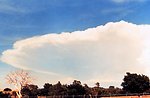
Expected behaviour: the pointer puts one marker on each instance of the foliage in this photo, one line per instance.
(134, 83)
(76, 88)
(7, 89)
(2, 95)
(59, 89)
(30, 90)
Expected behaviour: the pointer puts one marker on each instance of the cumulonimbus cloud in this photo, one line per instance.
(105, 52)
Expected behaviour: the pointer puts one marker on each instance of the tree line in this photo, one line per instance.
(132, 83)
(76, 88)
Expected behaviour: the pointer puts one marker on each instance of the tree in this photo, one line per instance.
(76, 88)
(19, 78)
(7, 89)
(97, 84)
(25, 91)
(30, 90)
(87, 89)
(134, 83)
(47, 88)
(2, 95)
(59, 89)
(97, 90)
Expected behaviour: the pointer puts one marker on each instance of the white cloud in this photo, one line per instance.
(103, 53)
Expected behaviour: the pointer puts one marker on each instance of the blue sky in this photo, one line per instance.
(20, 19)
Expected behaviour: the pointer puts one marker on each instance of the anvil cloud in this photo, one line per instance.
(103, 53)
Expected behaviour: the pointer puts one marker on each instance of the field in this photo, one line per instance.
(144, 96)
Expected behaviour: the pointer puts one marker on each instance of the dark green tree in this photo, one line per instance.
(87, 89)
(97, 90)
(25, 91)
(45, 91)
(33, 89)
(7, 89)
(76, 88)
(58, 89)
(30, 90)
(134, 83)
(2, 95)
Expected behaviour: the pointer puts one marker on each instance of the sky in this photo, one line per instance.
(62, 40)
